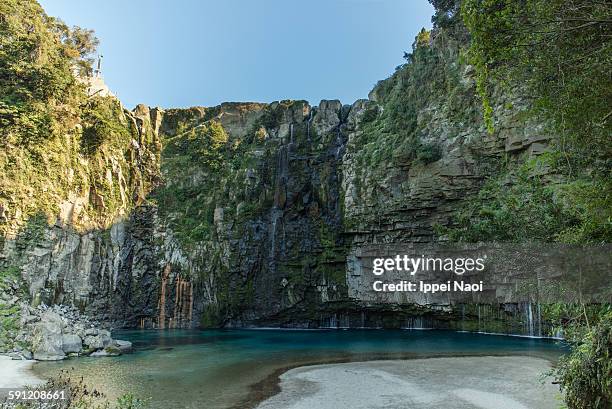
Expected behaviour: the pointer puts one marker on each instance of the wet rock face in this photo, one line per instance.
(273, 242)
(110, 275)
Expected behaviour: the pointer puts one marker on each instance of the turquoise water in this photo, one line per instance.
(224, 369)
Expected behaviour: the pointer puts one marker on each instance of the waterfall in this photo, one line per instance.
(334, 321)
(533, 319)
(519, 319)
(344, 321)
(529, 318)
(190, 304)
(161, 321)
(419, 322)
(539, 321)
(284, 163)
(282, 171)
(291, 133)
(310, 116)
(275, 215)
(338, 142)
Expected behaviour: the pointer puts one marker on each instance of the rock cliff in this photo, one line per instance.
(247, 213)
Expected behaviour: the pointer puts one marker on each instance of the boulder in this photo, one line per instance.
(108, 351)
(327, 116)
(47, 338)
(124, 346)
(71, 343)
(17, 356)
(112, 350)
(99, 341)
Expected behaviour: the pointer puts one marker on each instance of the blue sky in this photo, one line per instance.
(197, 52)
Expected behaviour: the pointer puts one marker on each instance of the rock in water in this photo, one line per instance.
(108, 351)
(101, 340)
(47, 338)
(123, 346)
(71, 343)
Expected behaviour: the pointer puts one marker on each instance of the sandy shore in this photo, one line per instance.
(435, 383)
(17, 374)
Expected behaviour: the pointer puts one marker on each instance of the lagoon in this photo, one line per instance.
(237, 368)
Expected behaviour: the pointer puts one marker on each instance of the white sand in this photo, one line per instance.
(436, 383)
(17, 374)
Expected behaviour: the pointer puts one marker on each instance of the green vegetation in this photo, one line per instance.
(11, 286)
(394, 134)
(585, 375)
(558, 51)
(205, 172)
(58, 143)
(203, 168)
(36, 57)
(195, 163)
(32, 232)
(519, 205)
(426, 103)
(216, 194)
(103, 126)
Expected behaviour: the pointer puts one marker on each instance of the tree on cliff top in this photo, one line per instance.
(56, 140)
(37, 56)
(80, 45)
